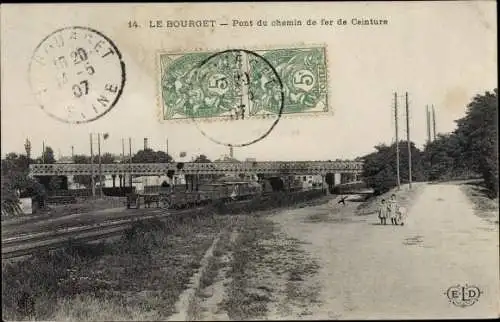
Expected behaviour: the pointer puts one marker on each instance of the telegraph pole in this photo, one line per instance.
(43, 151)
(100, 163)
(72, 152)
(130, 160)
(433, 122)
(92, 179)
(408, 139)
(167, 150)
(428, 114)
(397, 137)
(122, 181)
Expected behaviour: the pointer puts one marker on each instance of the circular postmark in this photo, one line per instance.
(77, 74)
(237, 85)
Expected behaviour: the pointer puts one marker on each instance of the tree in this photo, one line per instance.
(81, 159)
(15, 162)
(15, 178)
(477, 133)
(107, 158)
(202, 159)
(443, 158)
(48, 155)
(150, 156)
(227, 159)
(162, 157)
(380, 170)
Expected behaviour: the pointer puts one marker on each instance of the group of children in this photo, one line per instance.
(391, 210)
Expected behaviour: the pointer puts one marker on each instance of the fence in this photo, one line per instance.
(72, 193)
(86, 193)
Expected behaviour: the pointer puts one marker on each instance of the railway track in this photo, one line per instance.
(49, 239)
(25, 245)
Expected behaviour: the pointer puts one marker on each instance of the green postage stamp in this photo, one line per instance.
(243, 84)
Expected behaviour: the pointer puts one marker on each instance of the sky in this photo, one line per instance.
(441, 53)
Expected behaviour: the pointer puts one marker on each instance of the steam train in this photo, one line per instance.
(178, 197)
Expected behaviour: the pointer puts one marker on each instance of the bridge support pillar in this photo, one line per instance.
(324, 185)
(336, 178)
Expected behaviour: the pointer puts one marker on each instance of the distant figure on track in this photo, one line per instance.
(342, 200)
(383, 212)
(393, 209)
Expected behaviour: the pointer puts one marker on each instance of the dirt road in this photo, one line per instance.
(395, 272)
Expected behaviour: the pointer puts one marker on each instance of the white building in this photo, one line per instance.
(140, 182)
(309, 181)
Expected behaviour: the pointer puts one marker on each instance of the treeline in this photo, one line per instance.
(470, 150)
(17, 183)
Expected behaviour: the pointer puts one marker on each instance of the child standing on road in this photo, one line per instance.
(383, 212)
(393, 210)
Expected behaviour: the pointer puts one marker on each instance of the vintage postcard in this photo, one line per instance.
(249, 161)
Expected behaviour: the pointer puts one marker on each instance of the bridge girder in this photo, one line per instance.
(262, 167)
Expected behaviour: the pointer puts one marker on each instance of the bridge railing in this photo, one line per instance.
(264, 167)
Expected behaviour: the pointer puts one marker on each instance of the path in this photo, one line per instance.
(397, 272)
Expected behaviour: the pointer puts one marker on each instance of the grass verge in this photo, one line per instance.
(138, 277)
(269, 271)
(485, 206)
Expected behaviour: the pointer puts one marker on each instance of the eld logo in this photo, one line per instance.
(463, 296)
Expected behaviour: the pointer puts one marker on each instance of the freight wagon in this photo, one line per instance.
(178, 197)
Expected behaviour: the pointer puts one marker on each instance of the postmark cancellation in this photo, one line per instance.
(77, 74)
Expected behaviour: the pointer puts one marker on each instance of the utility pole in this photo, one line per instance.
(100, 163)
(43, 151)
(130, 160)
(72, 152)
(122, 180)
(428, 114)
(92, 179)
(167, 150)
(433, 121)
(408, 139)
(397, 137)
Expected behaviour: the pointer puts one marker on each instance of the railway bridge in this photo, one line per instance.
(144, 169)
(343, 171)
